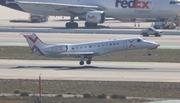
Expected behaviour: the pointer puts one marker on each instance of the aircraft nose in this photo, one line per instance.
(154, 46)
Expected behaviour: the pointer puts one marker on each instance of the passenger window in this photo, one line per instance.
(72, 48)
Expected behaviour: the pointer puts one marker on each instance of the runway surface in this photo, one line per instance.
(12, 39)
(105, 71)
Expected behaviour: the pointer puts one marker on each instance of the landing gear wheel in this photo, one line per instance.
(81, 62)
(149, 54)
(88, 62)
(71, 25)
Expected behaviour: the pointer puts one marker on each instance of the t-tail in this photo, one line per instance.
(35, 44)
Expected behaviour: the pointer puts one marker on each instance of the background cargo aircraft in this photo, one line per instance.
(95, 11)
(87, 49)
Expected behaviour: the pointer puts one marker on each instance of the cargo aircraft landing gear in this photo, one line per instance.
(72, 24)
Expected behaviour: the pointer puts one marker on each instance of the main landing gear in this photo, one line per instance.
(82, 60)
(71, 24)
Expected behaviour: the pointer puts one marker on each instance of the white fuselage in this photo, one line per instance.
(113, 8)
(86, 50)
(99, 48)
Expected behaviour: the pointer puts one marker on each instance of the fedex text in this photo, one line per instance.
(132, 4)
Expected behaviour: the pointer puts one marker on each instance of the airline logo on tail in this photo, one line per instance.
(33, 42)
(132, 4)
(35, 49)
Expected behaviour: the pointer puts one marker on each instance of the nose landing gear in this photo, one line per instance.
(149, 54)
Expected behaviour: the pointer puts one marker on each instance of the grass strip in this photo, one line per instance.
(158, 55)
(130, 89)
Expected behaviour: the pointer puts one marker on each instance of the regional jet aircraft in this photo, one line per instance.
(95, 11)
(86, 50)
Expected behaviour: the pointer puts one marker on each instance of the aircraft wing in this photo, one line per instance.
(79, 53)
(86, 54)
(58, 6)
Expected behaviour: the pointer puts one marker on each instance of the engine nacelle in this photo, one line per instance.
(56, 49)
(93, 17)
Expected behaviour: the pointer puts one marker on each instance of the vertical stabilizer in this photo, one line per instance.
(35, 43)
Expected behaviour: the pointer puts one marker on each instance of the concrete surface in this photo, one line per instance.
(103, 71)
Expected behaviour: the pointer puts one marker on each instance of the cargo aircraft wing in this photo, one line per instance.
(77, 9)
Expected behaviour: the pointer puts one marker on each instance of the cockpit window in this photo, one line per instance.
(174, 2)
(139, 40)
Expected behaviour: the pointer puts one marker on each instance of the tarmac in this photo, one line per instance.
(70, 70)
(102, 71)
